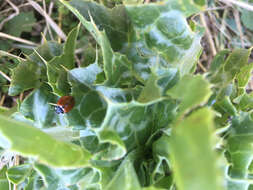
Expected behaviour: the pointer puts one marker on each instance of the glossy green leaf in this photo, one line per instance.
(239, 146)
(161, 147)
(162, 38)
(225, 105)
(244, 75)
(236, 60)
(233, 65)
(59, 179)
(157, 84)
(177, 45)
(25, 140)
(127, 2)
(36, 108)
(151, 90)
(34, 182)
(192, 91)
(104, 18)
(122, 179)
(218, 61)
(58, 66)
(193, 160)
(152, 188)
(4, 183)
(245, 102)
(117, 68)
(105, 111)
(17, 174)
(141, 119)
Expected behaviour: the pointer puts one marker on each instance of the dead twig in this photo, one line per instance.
(10, 16)
(209, 35)
(4, 53)
(238, 3)
(239, 26)
(78, 61)
(3, 35)
(9, 9)
(5, 76)
(59, 24)
(50, 21)
(202, 66)
(47, 28)
(1, 103)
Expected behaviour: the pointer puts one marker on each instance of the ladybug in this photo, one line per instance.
(65, 104)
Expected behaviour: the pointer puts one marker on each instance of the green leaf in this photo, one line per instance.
(239, 147)
(191, 91)
(103, 111)
(233, 65)
(36, 108)
(7, 111)
(58, 178)
(151, 91)
(86, 75)
(116, 29)
(244, 75)
(20, 82)
(236, 60)
(163, 36)
(34, 181)
(161, 147)
(158, 83)
(58, 66)
(17, 174)
(127, 2)
(23, 22)
(33, 67)
(193, 160)
(218, 61)
(117, 68)
(246, 17)
(122, 179)
(152, 188)
(179, 46)
(25, 140)
(4, 183)
(245, 102)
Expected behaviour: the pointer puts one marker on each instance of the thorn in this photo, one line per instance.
(44, 38)
(52, 104)
(65, 68)
(44, 61)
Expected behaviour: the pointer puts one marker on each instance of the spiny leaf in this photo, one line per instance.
(191, 140)
(58, 66)
(58, 178)
(17, 174)
(25, 140)
(4, 183)
(20, 81)
(34, 67)
(192, 91)
(239, 145)
(122, 179)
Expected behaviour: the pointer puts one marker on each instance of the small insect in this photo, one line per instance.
(65, 104)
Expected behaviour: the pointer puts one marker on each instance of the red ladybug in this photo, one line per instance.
(65, 104)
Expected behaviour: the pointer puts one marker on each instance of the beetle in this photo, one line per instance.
(64, 104)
